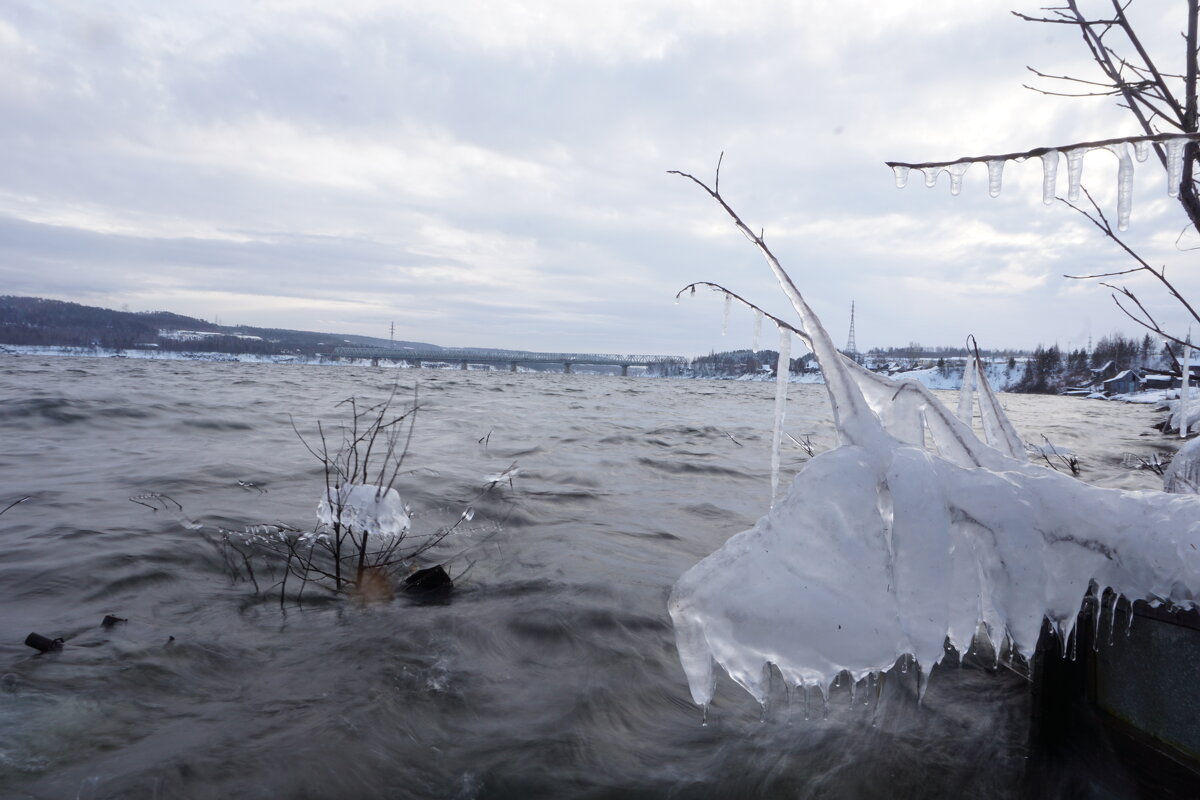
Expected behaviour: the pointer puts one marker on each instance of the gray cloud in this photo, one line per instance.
(482, 177)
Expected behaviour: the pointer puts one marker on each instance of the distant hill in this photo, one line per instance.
(38, 321)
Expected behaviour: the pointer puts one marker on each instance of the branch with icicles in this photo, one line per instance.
(1172, 144)
(783, 364)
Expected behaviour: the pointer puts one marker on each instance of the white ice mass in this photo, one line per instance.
(365, 508)
(912, 532)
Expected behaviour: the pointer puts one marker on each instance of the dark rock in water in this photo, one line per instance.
(429, 581)
(43, 644)
(110, 620)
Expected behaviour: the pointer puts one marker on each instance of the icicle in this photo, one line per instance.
(728, 307)
(1174, 165)
(1185, 391)
(1141, 150)
(901, 176)
(966, 396)
(1124, 183)
(931, 176)
(1112, 625)
(995, 175)
(782, 373)
(1074, 171)
(956, 175)
(1049, 176)
(758, 317)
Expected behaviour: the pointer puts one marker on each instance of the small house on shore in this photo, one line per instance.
(1124, 382)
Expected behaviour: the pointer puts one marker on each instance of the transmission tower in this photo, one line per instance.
(851, 347)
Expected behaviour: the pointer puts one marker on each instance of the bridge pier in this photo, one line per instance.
(417, 363)
(463, 365)
(624, 370)
(566, 368)
(512, 367)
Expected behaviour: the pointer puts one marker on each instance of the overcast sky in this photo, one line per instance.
(493, 173)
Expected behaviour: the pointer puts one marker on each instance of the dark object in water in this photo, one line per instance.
(428, 581)
(43, 644)
(110, 620)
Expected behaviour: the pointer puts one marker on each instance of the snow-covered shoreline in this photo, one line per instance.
(999, 375)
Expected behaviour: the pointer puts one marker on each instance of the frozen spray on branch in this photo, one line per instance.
(1172, 144)
(914, 531)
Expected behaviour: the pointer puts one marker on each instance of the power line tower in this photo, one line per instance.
(851, 347)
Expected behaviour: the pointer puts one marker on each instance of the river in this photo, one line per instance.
(550, 672)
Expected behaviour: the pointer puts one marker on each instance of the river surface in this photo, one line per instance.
(551, 671)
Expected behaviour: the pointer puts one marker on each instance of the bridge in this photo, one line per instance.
(465, 356)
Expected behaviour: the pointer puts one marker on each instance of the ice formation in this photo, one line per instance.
(1124, 183)
(901, 174)
(758, 317)
(1074, 171)
(1049, 176)
(725, 322)
(956, 174)
(365, 508)
(1174, 165)
(1185, 393)
(782, 373)
(995, 176)
(913, 532)
(1182, 475)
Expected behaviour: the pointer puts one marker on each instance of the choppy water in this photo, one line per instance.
(550, 673)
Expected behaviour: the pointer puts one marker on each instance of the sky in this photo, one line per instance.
(494, 172)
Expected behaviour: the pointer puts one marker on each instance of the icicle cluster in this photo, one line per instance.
(1174, 152)
(914, 531)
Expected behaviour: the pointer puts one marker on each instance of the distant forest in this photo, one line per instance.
(37, 321)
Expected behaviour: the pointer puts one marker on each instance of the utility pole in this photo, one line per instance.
(392, 335)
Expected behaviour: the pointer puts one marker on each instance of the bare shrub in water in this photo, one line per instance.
(363, 540)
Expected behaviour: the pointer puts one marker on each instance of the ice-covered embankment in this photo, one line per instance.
(913, 531)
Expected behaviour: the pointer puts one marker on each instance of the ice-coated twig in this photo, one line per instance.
(155, 496)
(16, 502)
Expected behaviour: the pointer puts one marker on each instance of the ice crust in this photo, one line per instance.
(912, 532)
(365, 508)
